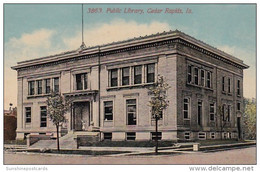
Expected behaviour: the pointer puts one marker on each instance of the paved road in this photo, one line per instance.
(236, 156)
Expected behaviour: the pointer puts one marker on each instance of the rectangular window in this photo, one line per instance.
(130, 136)
(229, 85)
(81, 81)
(31, 87)
(225, 135)
(238, 106)
(223, 112)
(229, 135)
(43, 116)
(209, 79)
(223, 84)
(212, 111)
(160, 115)
(79, 84)
(85, 81)
(137, 74)
(196, 76)
(199, 112)
(201, 136)
(150, 73)
(212, 135)
(107, 136)
(238, 87)
(125, 76)
(202, 75)
(47, 86)
(189, 74)
(114, 78)
(28, 114)
(56, 85)
(186, 107)
(228, 113)
(39, 87)
(131, 111)
(187, 136)
(108, 110)
(159, 134)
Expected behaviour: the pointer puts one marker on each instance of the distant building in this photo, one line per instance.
(10, 124)
(108, 87)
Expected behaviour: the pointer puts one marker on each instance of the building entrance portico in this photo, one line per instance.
(81, 116)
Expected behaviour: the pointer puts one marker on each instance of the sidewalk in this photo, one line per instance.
(147, 150)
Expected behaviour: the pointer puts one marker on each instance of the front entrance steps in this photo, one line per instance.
(72, 140)
(84, 137)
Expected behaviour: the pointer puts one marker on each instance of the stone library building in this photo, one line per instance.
(107, 86)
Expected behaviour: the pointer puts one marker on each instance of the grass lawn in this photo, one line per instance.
(76, 152)
(218, 142)
(152, 143)
(130, 144)
(15, 142)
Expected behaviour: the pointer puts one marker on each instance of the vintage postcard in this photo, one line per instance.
(130, 84)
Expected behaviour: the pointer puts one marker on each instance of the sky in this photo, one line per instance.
(38, 30)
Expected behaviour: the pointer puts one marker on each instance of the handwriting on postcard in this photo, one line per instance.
(140, 11)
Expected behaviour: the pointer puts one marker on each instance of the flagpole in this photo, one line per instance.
(82, 25)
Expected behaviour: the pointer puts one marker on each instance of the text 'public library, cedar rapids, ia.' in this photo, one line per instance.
(107, 86)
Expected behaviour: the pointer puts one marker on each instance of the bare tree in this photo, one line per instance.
(158, 102)
(223, 118)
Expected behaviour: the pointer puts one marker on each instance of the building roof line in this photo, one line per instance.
(153, 38)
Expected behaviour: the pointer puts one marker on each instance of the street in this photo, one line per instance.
(244, 156)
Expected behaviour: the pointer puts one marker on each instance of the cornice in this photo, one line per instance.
(133, 44)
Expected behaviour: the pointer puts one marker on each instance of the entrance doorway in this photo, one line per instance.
(239, 127)
(81, 116)
(199, 112)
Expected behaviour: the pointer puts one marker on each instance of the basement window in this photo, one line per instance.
(107, 136)
(154, 135)
(225, 135)
(202, 136)
(130, 136)
(212, 135)
(187, 136)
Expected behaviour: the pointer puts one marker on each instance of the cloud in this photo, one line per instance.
(39, 38)
(29, 45)
(116, 30)
(45, 42)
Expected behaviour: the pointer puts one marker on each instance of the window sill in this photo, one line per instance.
(229, 94)
(38, 95)
(158, 119)
(187, 119)
(129, 86)
(81, 90)
(108, 120)
(198, 86)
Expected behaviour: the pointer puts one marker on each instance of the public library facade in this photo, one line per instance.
(107, 86)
